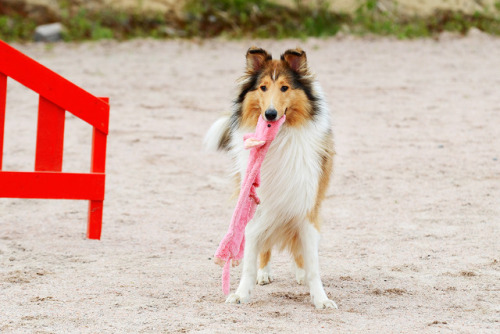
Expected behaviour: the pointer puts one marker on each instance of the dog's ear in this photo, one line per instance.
(256, 58)
(296, 60)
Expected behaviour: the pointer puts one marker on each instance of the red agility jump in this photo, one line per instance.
(56, 96)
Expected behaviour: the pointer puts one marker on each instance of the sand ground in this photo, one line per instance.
(411, 220)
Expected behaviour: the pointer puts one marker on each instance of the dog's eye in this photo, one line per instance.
(284, 88)
(263, 88)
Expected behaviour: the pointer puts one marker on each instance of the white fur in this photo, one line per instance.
(264, 275)
(215, 133)
(300, 274)
(310, 242)
(290, 177)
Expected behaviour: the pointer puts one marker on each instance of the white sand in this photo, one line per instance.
(411, 221)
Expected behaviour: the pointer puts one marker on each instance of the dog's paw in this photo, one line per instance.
(326, 303)
(235, 298)
(300, 275)
(264, 277)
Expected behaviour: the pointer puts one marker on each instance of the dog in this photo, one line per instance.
(295, 173)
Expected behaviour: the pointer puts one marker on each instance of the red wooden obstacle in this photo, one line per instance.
(56, 96)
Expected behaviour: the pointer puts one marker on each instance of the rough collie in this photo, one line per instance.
(295, 173)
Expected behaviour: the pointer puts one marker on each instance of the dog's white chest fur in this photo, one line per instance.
(289, 173)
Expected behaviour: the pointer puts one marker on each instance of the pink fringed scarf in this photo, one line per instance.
(233, 244)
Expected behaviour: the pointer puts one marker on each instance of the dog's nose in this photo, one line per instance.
(271, 114)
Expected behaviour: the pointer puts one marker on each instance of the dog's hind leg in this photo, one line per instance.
(310, 240)
(298, 268)
(249, 274)
(264, 274)
(298, 260)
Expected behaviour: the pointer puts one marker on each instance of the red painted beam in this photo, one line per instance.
(52, 185)
(3, 99)
(49, 137)
(97, 165)
(53, 87)
(94, 225)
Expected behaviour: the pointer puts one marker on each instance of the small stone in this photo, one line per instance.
(477, 33)
(12, 258)
(49, 32)
(172, 32)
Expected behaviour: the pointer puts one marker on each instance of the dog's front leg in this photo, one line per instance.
(249, 274)
(310, 242)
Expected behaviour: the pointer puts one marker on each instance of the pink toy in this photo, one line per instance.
(232, 245)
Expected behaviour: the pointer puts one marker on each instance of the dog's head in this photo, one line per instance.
(272, 88)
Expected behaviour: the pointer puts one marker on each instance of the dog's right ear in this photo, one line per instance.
(256, 58)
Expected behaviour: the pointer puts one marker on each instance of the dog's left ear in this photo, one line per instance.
(296, 60)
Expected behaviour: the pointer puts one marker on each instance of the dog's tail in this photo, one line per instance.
(219, 135)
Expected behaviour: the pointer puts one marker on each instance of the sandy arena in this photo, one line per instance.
(410, 239)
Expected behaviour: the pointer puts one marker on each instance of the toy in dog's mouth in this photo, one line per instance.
(265, 130)
(252, 142)
(230, 250)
